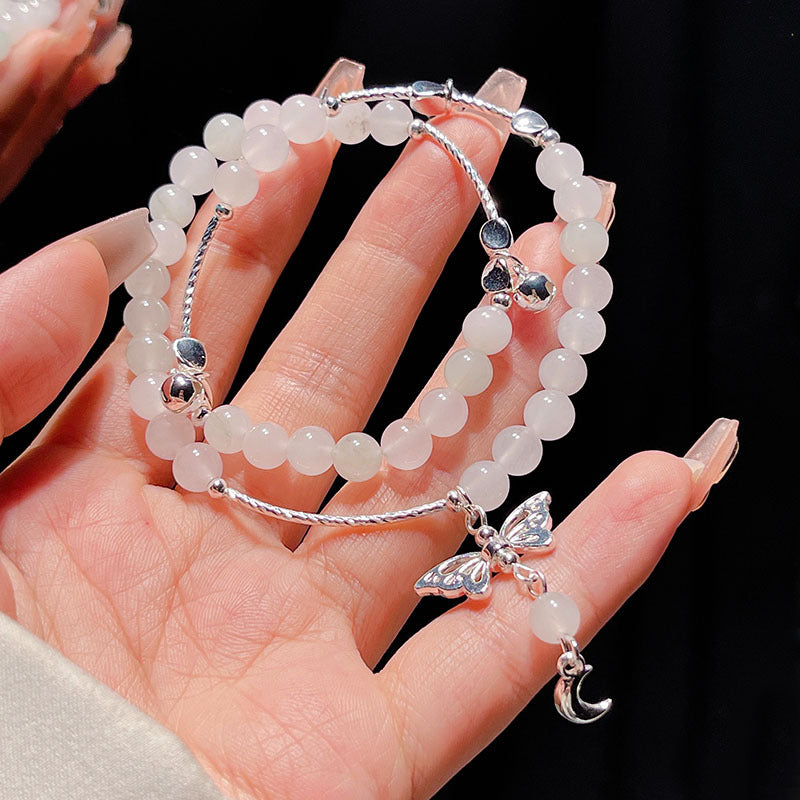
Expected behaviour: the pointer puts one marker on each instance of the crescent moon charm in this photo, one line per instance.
(571, 706)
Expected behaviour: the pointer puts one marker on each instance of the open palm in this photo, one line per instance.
(258, 648)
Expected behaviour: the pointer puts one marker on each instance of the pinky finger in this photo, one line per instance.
(446, 709)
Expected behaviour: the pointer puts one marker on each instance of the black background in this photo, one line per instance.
(691, 108)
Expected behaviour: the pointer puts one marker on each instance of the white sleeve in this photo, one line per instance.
(64, 735)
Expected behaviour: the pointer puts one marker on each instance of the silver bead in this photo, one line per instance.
(217, 487)
(549, 137)
(484, 534)
(528, 124)
(191, 353)
(332, 105)
(179, 391)
(454, 499)
(493, 547)
(502, 300)
(501, 274)
(535, 292)
(416, 128)
(223, 211)
(496, 235)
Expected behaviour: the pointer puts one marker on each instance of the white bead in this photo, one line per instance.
(389, 121)
(564, 370)
(487, 329)
(223, 136)
(588, 286)
(151, 279)
(265, 445)
(351, 125)
(262, 112)
(486, 483)
(554, 615)
(144, 394)
(584, 241)
(581, 330)
(170, 241)
(578, 197)
(468, 372)
(146, 315)
(149, 353)
(406, 444)
(167, 433)
(193, 168)
(310, 450)
(303, 119)
(236, 183)
(225, 428)
(549, 414)
(558, 163)
(443, 412)
(265, 148)
(357, 457)
(195, 466)
(173, 202)
(517, 449)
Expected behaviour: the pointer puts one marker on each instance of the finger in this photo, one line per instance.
(330, 364)
(34, 79)
(52, 307)
(605, 549)
(241, 267)
(397, 556)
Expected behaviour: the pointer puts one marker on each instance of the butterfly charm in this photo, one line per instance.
(526, 529)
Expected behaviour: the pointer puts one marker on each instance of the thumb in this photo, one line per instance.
(52, 307)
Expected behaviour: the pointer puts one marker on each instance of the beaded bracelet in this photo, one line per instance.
(172, 391)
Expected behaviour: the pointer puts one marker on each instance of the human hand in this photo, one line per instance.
(256, 648)
(50, 71)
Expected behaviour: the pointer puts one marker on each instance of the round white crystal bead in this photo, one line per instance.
(223, 136)
(310, 450)
(558, 163)
(584, 241)
(171, 201)
(406, 443)
(444, 412)
(468, 371)
(144, 394)
(170, 241)
(193, 168)
(486, 483)
(517, 449)
(352, 124)
(577, 197)
(236, 183)
(265, 445)
(265, 148)
(487, 329)
(554, 615)
(149, 353)
(167, 433)
(549, 414)
(196, 465)
(225, 428)
(146, 315)
(151, 279)
(357, 457)
(581, 330)
(389, 121)
(303, 119)
(262, 112)
(564, 370)
(588, 286)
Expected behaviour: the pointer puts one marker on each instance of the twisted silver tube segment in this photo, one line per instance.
(487, 201)
(191, 281)
(308, 518)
